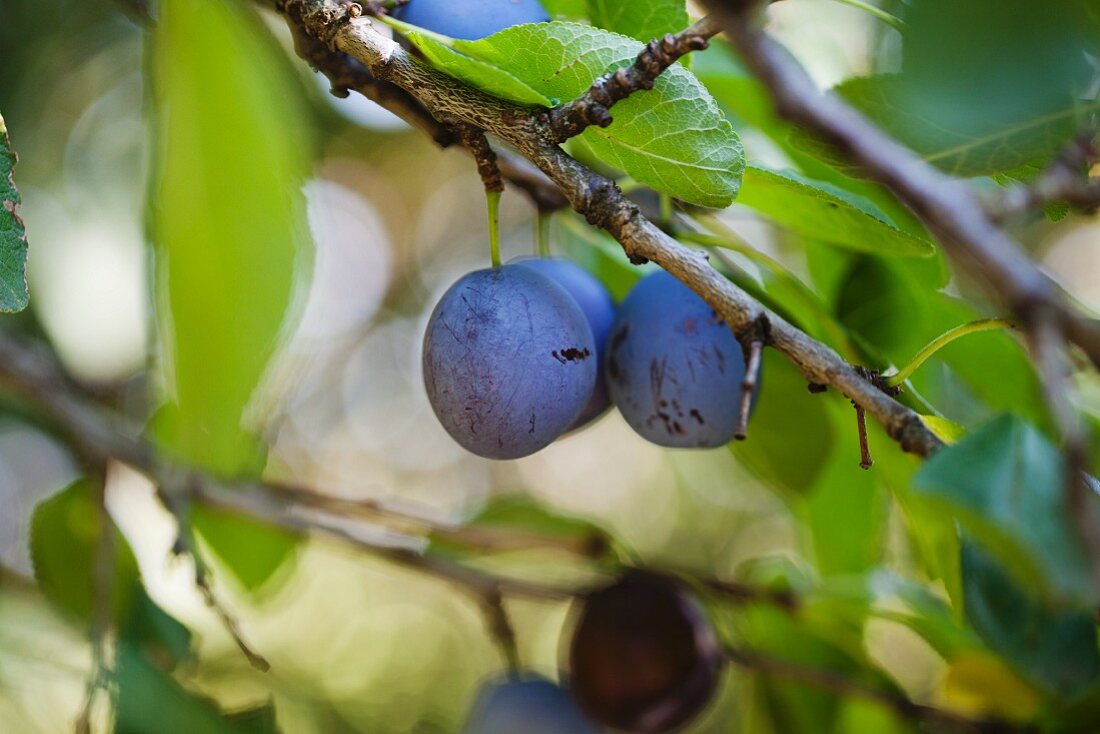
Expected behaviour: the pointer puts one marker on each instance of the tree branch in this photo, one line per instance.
(953, 213)
(602, 204)
(593, 107)
(945, 204)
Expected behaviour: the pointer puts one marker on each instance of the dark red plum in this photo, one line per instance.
(470, 19)
(644, 656)
(509, 361)
(674, 368)
(530, 705)
(598, 307)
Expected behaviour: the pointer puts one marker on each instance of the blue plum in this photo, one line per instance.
(509, 361)
(674, 369)
(470, 19)
(598, 307)
(530, 705)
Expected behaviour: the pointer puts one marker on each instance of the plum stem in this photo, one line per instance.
(492, 199)
(942, 341)
(542, 233)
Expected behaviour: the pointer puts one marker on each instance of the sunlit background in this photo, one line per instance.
(357, 644)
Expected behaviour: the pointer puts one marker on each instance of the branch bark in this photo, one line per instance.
(945, 204)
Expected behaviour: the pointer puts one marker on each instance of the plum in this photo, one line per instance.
(470, 19)
(674, 368)
(598, 307)
(526, 704)
(509, 361)
(644, 657)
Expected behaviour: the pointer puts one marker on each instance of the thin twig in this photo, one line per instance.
(175, 499)
(865, 460)
(754, 348)
(594, 106)
(102, 624)
(898, 703)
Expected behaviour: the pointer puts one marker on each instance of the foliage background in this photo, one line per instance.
(354, 225)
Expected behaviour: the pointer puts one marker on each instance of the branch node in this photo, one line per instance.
(593, 107)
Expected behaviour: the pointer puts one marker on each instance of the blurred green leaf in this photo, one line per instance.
(796, 707)
(1054, 647)
(947, 431)
(845, 509)
(229, 222)
(65, 533)
(643, 21)
(150, 700)
(158, 635)
(13, 237)
(566, 9)
(521, 522)
(826, 212)
(251, 550)
(790, 434)
(1004, 483)
(1034, 64)
(672, 138)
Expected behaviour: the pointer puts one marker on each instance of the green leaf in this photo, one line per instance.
(1004, 483)
(229, 224)
(65, 533)
(643, 21)
(13, 237)
(672, 138)
(1053, 647)
(487, 77)
(827, 213)
(150, 700)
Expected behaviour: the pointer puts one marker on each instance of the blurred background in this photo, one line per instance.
(355, 643)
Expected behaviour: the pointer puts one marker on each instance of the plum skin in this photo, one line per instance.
(509, 361)
(644, 657)
(674, 368)
(529, 704)
(598, 308)
(470, 19)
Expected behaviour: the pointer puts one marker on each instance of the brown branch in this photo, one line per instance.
(594, 106)
(898, 703)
